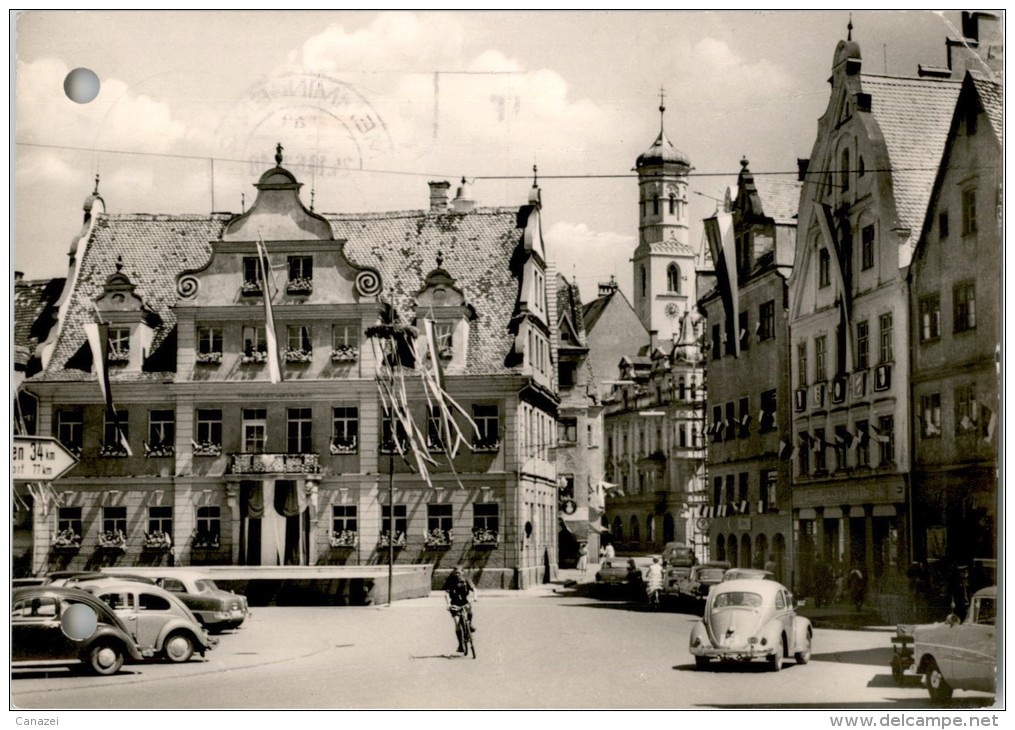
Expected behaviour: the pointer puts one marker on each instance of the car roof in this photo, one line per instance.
(989, 592)
(57, 591)
(752, 585)
(123, 577)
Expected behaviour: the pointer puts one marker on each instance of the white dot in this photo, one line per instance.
(79, 621)
(81, 85)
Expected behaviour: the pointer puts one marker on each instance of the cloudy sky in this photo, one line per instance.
(370, 106)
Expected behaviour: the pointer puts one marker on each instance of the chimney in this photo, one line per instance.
(19, 275)
(462, 203)
(439, 196)
(801, 167)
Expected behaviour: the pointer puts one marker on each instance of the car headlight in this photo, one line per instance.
(764, 641)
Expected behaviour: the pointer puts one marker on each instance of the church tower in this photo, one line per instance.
(664, 261)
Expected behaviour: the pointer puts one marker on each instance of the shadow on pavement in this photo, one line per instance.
(757, 667)
(877, 657)
(441, 656)
(888, 703)
(619, 597)
(914, 681)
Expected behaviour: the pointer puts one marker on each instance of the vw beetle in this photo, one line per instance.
(751, 619)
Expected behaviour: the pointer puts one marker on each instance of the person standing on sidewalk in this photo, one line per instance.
(583, 559)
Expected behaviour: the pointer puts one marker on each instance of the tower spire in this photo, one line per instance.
(849, 28)
(662, 108)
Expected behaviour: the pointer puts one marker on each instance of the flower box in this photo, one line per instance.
(486, 446)
(385, 540)
(343, 539)
(388, 447)
(343, 446)
(251, 288)
(118, 357)
(299, 356)
(112, 451)
(67, 540)
(206, 448)
(113, 540)
(482, 537)
(158, 450)
(157, 541)
(206, 541)
(438, 539)
(209, 358)
(300, 285)
(344, 353)
(255, 357)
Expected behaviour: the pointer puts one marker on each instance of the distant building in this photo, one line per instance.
(955, 287)
(861, 211)
(750, 441)
(613, 331)
(579, 453)
(238, 470)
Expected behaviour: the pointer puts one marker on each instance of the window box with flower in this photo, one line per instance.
(344, 353)
(209, 358)
(112, 451)
(157, 541)
(251, 288)
(206, 541)
(113, 540)
(386, 541)
(486, 446)
(300, 285)
(207, 448)
(155, 451)
(117, 356)
(299, 356)
(67, 540)
(254, 357)
(343, 538)
(485, 537)
(446, 353)
(343, 446)
(438, 539)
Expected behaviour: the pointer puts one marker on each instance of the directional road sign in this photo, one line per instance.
(40, 459)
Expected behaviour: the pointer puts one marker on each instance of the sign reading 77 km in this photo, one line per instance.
(40, 459)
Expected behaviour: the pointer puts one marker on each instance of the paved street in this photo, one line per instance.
(536, 649)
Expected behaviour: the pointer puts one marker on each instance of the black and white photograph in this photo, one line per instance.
(486, 360)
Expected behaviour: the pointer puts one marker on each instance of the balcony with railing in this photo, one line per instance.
(274, 464)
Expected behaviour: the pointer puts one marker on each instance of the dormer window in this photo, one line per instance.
(251, 276)
(119, 345)
(301, 275)
(443, 334)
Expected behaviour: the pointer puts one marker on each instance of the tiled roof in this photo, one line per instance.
(914, 115)
(780, 197)
(992, 97)
(569, 302)
(594, 310)
(33, 299)
(476, 249)
(402, 246)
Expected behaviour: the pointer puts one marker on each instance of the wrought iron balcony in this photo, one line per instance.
(274, 464)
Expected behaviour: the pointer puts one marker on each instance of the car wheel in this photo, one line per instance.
(775, 660)
(701, 662)
(178, 647)
(105, 658)
(939, 689)
(804, 656)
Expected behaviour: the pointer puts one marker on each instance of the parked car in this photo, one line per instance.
(703, 577)
(748, 574)
(157, 619)
(60, 577)
(751, 619)
(678, 559)
(956, 654)
(616, 572)
(77, 580)
(37, 633)
(217, 609)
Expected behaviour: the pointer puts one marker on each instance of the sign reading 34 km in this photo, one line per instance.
(40, 459)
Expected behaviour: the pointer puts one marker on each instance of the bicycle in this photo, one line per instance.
(463, 629)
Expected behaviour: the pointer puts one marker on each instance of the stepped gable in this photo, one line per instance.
(914, 115)
(476, 249)
(154, 249)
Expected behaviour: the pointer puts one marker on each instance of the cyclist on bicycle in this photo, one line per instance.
(457, 589)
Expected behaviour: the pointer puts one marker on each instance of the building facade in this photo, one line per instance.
(218, 464)
(955, 331)
(748, 413)
(861, 210)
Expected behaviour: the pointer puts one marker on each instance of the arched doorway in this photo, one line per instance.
(650, 529)
(745, 551)
(668, 531)
(731, 551)
(720, 547)
(635, 530)
(760, 550)
(618, 529)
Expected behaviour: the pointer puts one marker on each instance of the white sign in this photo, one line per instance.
(40, 459)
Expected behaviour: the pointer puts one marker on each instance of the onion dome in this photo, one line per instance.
(662, 151)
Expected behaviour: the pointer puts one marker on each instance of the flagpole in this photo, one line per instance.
(391, 522)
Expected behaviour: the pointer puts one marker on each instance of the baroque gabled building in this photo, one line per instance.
(748, 412)
(239, 470)
(955, 288)
(861, 210)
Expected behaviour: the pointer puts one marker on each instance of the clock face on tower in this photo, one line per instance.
(672, 310)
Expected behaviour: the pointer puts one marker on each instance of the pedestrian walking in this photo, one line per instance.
(609, 552)
(583, 559)
(654, 582)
